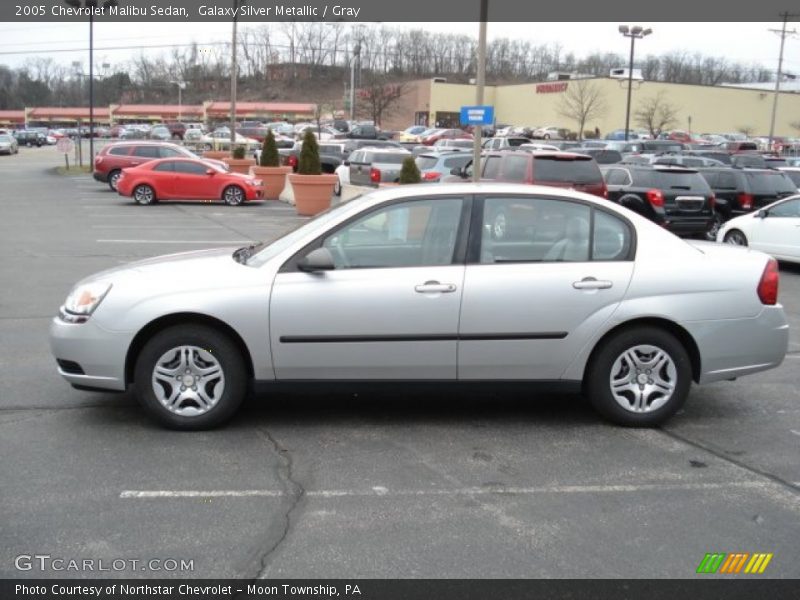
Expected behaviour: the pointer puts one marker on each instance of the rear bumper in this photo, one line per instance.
(98, 176)
(687, 225)
(733, 348)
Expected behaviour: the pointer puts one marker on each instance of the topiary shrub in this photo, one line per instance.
(238, 152)
(409, 173)
(309, 156)
(269, 152)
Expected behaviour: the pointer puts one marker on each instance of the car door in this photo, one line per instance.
(163, 179)
(193, 182)
(535, 296)
(778, 232)
(389, 310)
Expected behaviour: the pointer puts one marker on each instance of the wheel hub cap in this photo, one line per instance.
(188, 380)
(643, 378)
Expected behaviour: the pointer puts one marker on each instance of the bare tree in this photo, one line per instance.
(582, 102)
(795, 125)
(656, 114)
(745, 129)
(379, 95)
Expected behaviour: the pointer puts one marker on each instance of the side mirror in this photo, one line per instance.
(762, 214)
(346, 163)
(316, 260)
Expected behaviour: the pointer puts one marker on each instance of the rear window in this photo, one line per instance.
(516, 142)
(770, 183)
(571, 170)
(388, 158)
(666, 180)
(426, 162)
(794, 176)
(657, 147)
(457, 161)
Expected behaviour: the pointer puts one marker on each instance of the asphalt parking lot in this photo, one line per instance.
(374, 486)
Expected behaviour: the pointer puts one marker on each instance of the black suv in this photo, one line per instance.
(28, 137)
(740, 191)
(677, 198)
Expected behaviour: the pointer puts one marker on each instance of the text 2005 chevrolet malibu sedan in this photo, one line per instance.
(410, 284)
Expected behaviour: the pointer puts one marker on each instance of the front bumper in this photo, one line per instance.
(99, 354)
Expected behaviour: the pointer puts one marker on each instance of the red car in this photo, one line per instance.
(446, 134)
(186, 179)
(112, 158)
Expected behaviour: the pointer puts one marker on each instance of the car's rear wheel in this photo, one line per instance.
(735, 238)
(233, 195)
(711, 233)
(113, 179)
(337, 187)
(639, 377)
(190, 377)
(144, 194)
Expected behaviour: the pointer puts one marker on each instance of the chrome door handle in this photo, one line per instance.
(590, 283)
(434, 287)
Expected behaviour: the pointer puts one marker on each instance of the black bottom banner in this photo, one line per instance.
(399, 589)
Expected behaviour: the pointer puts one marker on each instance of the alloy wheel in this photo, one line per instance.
(233, 195)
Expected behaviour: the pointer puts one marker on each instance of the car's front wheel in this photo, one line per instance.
(144, 195)
(736, 238)
(639, 377)
(190, 377)
(233, 195)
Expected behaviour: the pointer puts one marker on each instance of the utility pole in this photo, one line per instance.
(233, 74)
(783, 33)
(480, 81)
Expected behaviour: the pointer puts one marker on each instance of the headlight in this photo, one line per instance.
(254, 182)
(85, 298)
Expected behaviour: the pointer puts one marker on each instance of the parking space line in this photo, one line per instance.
(380, 491)
(183, 227)
(175, 241)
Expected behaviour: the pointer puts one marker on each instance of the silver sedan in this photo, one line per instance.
(409, 284)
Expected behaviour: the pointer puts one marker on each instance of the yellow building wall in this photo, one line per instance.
(712, 109)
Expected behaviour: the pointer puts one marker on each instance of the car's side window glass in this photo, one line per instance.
(146, 151)
(515, 168)
(165, 166)
(612, 237)
(491, 167)
(169, 153)
(190, 168)
(407, 234)
(120, 151)
(530, 229)
(787, 209)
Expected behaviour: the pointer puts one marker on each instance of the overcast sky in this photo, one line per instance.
(740, 42)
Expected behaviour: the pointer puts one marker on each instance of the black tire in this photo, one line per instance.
(601, 369)
(215, 343)
(233, 195)
(337, 187)
(736, 238)
(711, 234)
(113, 177)
(144, 195)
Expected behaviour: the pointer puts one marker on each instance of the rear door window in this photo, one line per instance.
(566, 170)
(514, 168)
(147, 151)
(491, 167)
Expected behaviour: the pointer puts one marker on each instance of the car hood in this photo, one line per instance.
(176, 269)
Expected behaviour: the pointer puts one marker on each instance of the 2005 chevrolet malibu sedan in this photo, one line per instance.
(412, 284)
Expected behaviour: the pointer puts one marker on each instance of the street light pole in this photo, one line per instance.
(635, 32)
(480, 81)
(234, 68)
(783, 33)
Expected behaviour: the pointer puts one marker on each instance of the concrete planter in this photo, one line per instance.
(239, 165)
(273, 180)
(216, 154)
(312, 193)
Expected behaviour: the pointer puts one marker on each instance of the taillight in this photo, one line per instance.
(292, 161)
(375, 175)
(655, 197)
(745, 201)
(712, 201)
(431, 175)
(604, 191)
(768, 286)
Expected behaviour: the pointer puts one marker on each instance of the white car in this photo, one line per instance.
(775, 229)
(343, 173)
(547, 133)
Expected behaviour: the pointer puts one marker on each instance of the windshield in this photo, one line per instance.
(770, 183)
(392, 158)
(5, 138)
(426, 162)
(293, 236)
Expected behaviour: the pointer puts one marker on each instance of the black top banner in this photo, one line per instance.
(370, 11)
